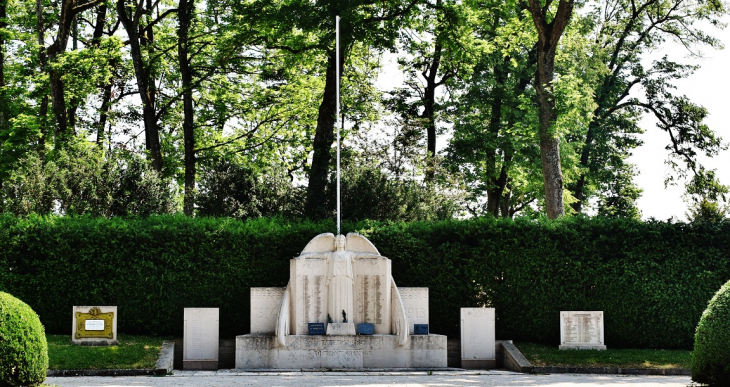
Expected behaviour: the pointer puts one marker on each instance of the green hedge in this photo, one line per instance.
(651, 279)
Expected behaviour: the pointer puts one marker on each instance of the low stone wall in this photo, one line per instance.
(340, 352)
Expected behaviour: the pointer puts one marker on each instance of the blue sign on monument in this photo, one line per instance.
(420, 329)
(316, 328)
(365, 329)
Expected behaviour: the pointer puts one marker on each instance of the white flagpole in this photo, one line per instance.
(337, 115)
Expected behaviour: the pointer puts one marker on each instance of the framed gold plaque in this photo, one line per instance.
(94, 324)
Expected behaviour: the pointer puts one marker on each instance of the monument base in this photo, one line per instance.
(200, 365)
(340, 352)
(590, 346)
(478, 364)
(341, 329)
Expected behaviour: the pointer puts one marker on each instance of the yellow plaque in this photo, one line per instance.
(94, 324)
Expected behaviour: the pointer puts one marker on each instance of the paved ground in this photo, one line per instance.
(372, 379)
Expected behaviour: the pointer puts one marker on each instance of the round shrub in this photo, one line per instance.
(23, 347)
(711, 356)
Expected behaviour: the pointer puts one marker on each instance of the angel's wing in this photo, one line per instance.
(359, 244)
(320, 244)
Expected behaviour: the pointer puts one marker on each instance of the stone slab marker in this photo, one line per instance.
(94, 325)
(478, 338)
(581, 330)
(265, 304)
(200, 339)
(415, 302)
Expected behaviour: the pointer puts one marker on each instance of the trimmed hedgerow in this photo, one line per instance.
(651, 279)
(23, 347)
(711, 355)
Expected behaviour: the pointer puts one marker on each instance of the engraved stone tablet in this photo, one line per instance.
(265, 304)
(94, 325)
(316, 328)
(415, 302)
(365, 329)
(420, 329)
(200, 339)
(581, 330)
(478, 348)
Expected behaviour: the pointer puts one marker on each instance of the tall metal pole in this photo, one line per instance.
(337, 115)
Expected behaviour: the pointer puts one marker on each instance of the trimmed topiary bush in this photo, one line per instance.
(23, 347)
(711, 356)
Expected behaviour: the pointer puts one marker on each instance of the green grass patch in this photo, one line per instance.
(550, 355)
(132, 352)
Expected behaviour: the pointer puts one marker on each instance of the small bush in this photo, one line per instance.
(711, 356)
(23, 347)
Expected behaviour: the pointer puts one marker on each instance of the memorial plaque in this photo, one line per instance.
(581, 330)
(415, 303)
(316, 328)
(265, 304)
(365, 329)
(200, 339)
(420, 329)
(94, 325)
(478, 348)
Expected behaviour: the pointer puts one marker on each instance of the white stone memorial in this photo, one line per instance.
(200, 339)
(341, 282)
(478, 348)
(94, 325)
(415, 302)
(581, 330)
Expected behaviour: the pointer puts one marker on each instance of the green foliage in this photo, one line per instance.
(85, 180)
(707, 211)
(529, 270)
(132, 352)
(23, 348)
(711, 356)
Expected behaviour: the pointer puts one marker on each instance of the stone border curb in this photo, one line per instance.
(514, 360)
(117, 372)
(613, 371)
(162, 367)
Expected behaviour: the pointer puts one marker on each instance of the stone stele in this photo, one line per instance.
(200, 339)
(94, 325)
(478, 338)
(344, 279)
(581, 330)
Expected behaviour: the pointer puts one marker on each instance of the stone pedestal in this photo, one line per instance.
(478, 338)
(200, 339)
(340, 352)
(341, 329)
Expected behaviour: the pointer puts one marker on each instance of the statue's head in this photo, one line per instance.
(340, 242)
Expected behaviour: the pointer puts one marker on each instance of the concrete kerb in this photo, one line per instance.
(514, 360)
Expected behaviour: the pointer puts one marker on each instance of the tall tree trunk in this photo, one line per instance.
(3, 99)
(185, 12)
(43, 60)
(106, 88)
(548, 36)
(323, 138)
(142, 75)
(429, 104)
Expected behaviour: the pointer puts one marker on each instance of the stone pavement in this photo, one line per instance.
(371, 379)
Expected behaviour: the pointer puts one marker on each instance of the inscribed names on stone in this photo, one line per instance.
(309, 294)
(581, 330)
(200, 339)
(477, 338)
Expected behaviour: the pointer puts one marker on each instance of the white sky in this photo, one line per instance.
(708, 86)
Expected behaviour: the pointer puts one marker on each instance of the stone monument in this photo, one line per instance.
(339, 282)
(94, 325)
(200, 339)
(478, 348)
(581, 330)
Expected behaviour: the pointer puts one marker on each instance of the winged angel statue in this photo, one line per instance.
(341, 259)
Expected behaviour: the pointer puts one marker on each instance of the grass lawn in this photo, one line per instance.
(550, 355)
(132, 352)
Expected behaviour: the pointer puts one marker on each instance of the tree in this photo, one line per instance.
(548, 37)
